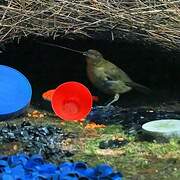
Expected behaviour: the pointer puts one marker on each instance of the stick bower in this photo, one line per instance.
(146, 20)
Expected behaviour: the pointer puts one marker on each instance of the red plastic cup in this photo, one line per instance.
(72, 101)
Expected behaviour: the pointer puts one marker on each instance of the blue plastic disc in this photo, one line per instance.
(15, 92)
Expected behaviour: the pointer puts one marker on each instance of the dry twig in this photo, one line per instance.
(152, 20)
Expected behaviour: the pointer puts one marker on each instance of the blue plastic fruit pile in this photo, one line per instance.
(23, 167)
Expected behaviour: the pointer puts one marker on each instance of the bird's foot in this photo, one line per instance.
(116, 98)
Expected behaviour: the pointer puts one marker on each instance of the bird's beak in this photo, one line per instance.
(85, 53)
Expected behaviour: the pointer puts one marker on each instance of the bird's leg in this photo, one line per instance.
(116, 97)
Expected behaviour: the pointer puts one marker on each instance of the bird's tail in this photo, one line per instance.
(140, 87)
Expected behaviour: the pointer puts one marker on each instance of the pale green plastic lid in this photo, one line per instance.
(164, 127)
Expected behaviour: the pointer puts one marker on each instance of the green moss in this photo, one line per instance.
(141, 160)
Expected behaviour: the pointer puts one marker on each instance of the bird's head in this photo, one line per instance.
(93, 56)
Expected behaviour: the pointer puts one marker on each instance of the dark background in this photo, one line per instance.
(46, 67)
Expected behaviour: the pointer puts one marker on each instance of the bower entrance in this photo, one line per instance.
(46, 67)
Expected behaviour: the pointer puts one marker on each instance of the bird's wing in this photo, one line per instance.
(118, 79)
(139, 87)
(113, 78)
(115, 73)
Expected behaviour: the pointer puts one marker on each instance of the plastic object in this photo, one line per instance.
(15, 92)
(165, 127)
(65, 171)
(49, 94)
(72, 101)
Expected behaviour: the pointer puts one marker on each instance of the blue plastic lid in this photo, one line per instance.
(15, 167)
(15, 92)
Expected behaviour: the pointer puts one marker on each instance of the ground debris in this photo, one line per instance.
(94, 125)
(36, 114)
(112, 143)
(43, 139)
(131, 119)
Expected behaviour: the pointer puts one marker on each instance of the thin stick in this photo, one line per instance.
(62, 47)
